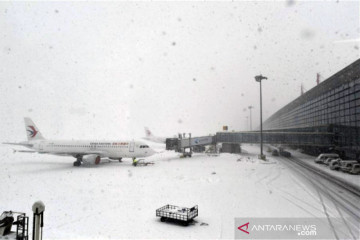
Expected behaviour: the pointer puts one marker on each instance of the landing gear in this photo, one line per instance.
(78, 161)
(120, 159)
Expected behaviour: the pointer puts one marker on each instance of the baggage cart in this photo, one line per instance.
(182, 214)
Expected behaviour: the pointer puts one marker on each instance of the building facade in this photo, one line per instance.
(333, 105)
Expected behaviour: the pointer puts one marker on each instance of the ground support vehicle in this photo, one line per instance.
(141, 162)
(180, 214)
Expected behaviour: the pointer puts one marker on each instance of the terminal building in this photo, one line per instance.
(333, 106)
(325, 119)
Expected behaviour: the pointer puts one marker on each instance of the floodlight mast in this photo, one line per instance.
(259, 78)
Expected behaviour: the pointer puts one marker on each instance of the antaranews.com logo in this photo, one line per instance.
(284, 228)
(303, 230)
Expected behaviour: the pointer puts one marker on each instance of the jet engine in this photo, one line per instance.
(91, 159)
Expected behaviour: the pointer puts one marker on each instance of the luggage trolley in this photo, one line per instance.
(22, 223)
(182, 214)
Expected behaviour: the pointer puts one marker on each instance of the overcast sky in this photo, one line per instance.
(105, 70)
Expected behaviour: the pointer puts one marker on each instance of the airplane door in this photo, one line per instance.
(92, 147)
(131, 147)
(41, 146)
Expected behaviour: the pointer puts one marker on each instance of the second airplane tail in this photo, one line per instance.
(32, 132)
(148, 133)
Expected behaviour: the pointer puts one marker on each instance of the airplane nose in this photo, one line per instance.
(151, 152)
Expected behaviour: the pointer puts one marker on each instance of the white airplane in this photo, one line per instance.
(152, 138)
(89, 152)
(348, 40)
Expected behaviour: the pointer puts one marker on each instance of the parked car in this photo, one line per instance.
(346, 166)
(355, 169)
(336, 163)
(275, 152)
(328, 160)
(322, 157)
(285, 154)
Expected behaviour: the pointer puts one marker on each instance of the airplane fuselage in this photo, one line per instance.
(112, 149)
(89, 152)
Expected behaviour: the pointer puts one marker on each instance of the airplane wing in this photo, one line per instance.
(100, 153)
(155, 139)
(73, 154)
(347, 40)
(20, 144)
(24, 151)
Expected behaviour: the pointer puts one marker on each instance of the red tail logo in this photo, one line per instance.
(32, 131)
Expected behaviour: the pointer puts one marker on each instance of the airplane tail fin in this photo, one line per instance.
(32, 132)
(148, 133)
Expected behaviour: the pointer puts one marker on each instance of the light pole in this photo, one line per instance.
(250, 107)
(259, 79)
(247, 122)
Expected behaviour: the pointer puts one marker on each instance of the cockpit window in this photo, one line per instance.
(144, 146)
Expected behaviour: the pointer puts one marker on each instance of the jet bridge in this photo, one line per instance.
(181, 143)
(320, 139)
(323, 139)
(196, 141)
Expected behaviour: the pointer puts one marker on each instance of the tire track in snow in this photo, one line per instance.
(303, 188)
(309, 178)
(337, 209)
(344, 221)
(276, 176)
(270, 173)
(327, 215)
(300, 200)
(334, 197)
(297, 198)
(297, 205)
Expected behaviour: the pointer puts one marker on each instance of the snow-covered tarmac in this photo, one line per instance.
(116, 200)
